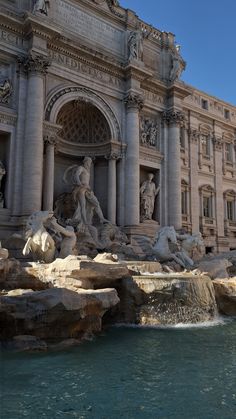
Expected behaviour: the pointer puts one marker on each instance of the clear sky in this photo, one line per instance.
(206, 31)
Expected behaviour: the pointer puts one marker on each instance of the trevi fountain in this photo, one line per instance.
(117, 299)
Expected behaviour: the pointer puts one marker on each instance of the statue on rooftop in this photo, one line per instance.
(41, 6)
(177, 64)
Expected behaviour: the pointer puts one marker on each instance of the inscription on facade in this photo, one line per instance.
(88, 26)
(76, 65)
(11, 38)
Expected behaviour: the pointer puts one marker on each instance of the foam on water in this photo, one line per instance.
(218, 321)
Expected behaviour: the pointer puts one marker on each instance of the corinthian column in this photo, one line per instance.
(218, 145)
(50, 140)
(134, 103)
(173, 119)
(36, 67)
(111, 209)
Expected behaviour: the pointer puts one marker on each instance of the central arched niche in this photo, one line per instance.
(83, 123)
(84, 126)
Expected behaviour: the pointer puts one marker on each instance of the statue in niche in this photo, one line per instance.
(177, 64)
(148, 193)
(86, 202)
(41, 6)
(135, 45)
(5, 91)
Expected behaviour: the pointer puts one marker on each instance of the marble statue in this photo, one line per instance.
(135, 45)
(3, 252)
(41, 6)
(2, 172)
(5, 91)
(39, 242)
(192, 244)
(148, 193)
(177, 65)
(86, 202)
(161, 247)
(185, 245)
(67, 238)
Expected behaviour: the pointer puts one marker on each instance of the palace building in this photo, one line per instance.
(88, 78)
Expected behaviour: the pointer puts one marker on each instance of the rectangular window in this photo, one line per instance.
(226, 114)
(184, 205)
(207, 207)
(228, 152)
(205, 145)
(204, 104)
(230, 210)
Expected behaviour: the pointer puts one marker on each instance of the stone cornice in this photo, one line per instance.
(89, 57)
(7, 118)
(137, 73)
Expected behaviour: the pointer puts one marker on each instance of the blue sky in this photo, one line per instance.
(206, 31)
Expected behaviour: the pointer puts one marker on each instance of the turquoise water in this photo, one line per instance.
(127, 373)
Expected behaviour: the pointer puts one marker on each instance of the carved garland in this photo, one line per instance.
(83, 95)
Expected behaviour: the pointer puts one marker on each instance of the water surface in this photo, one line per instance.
(127, 373)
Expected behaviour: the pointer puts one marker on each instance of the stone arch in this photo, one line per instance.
(64, 95)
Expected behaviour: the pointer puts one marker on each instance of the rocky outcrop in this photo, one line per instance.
(73, 273)
(166, 299)
(54, 313)
(225, 292)
(215, 268)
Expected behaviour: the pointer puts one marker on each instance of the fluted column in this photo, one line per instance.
(19, 145)
(134, 103)
(111, 208)
(36, 67)
(174, 119)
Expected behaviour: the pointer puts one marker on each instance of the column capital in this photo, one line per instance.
(33, 64)
(217, 143)
(134, 101)
(50, 133)
(194, 135)
(113, 156)
(173, 117)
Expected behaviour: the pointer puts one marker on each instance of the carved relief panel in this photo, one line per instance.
(149, 132)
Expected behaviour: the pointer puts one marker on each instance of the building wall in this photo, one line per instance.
(82, 51)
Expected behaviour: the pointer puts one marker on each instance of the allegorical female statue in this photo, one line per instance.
(148, 193)
(41, 6)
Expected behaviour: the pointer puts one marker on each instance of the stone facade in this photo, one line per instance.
(89, 78)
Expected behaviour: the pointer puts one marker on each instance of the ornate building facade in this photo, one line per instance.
(89, 78)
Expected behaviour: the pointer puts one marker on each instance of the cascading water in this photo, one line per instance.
(168, 299)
